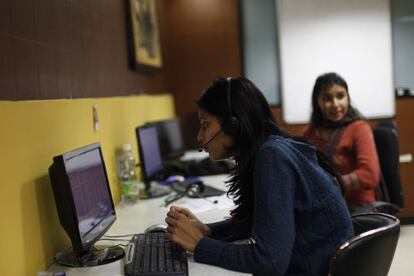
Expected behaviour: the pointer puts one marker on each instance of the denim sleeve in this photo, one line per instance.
(222, 231)
(273, 225)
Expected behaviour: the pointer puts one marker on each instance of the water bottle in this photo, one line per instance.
(127, 175)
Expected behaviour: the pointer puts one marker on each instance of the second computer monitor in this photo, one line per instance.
(149, 152)
(151, 161)
(170, 138)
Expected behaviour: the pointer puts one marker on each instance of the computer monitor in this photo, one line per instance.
(170, 138)
(84, 204)
(150, 161)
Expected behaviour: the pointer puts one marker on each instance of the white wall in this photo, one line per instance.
(350, 37)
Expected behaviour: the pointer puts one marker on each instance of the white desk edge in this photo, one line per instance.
(135, 218)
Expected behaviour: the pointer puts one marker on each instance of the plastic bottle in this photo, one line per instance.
(127, 175)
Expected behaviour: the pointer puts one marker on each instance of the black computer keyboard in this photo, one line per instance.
(154, 254)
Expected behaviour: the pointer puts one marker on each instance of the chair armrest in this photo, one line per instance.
(377, 207)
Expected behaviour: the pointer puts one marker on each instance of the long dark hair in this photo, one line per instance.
(256, 123)
(322, 83)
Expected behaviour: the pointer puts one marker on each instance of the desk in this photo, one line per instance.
(135, 218)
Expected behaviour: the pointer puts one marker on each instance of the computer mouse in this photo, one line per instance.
(156, 228)
(175, 178)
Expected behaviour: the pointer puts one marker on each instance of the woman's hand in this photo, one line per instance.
(201, 226)
(184, 228)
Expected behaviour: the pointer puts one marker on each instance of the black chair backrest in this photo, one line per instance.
(386, 140)
(388, 123)
(371, 250)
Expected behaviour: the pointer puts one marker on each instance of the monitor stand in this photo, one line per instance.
(153, 189)
(94, 257)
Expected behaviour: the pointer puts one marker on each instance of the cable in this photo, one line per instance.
(118, 236)
(110, 247)
(172, 198)
(198, 195)
(192, 190)
(114, 240)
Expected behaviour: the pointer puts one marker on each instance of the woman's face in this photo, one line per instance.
(212, 138)
(334, 103)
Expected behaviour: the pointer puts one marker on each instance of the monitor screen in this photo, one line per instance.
(149, 152)
(82, 196)
(170, 138)
(90, 191)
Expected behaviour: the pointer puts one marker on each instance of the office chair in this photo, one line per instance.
(387, 123)
(371, 250)
(389, 192)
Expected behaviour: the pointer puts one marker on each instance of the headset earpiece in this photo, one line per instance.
(230, 124)
(195, 188)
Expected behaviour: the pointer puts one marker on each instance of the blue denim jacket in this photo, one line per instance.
(300, 217)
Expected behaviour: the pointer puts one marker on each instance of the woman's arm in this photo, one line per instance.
(273, 223)
(367, 171)
(222, 230)
(307, 134)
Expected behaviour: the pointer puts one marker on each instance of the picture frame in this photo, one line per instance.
(144, 44)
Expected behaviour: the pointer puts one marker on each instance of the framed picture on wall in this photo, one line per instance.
(143, 34)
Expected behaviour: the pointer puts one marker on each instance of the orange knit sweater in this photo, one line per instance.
(356, 159)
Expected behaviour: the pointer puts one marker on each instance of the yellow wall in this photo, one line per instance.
(31, 133)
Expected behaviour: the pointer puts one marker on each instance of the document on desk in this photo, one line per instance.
(200, 205)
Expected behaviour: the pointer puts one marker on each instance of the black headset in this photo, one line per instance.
(193, 190)
(230, 124)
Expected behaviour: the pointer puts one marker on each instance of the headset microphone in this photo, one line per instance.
(209, 140)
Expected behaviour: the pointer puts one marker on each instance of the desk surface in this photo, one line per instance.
(135, 218)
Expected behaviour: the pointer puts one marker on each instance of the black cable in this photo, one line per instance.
(110, 247)
(118, 236)
(114, 239)
(172, 198)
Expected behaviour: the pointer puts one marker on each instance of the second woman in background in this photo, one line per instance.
(339, 130)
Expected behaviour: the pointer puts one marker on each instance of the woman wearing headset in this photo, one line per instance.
(288, 202)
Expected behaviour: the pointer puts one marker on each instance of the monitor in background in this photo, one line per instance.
(172, 147)
(151, 161)
(84, 205)
(170, 138)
